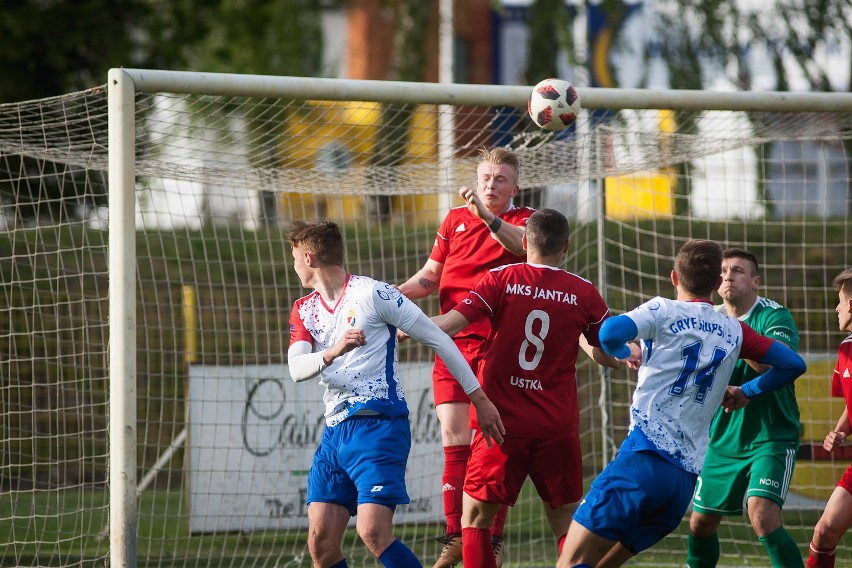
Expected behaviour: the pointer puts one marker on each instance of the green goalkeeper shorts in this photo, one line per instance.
(726, 482)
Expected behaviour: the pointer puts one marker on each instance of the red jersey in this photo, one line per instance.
(537, 314)
(466, 248)
(841, 381)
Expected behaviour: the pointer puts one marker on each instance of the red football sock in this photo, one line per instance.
(499, 521)
(455, 464)
(821, 558)
(476, 548)
(560, 543)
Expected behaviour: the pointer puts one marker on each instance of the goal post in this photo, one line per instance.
(441, 94)
(122, 315)
(206, 462)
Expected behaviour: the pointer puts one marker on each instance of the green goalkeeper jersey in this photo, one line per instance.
(772, 417)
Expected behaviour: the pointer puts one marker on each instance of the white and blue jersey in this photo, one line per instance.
(364, 380)
(363, 454)
(688, 353)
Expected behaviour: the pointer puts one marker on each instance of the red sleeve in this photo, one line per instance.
(481, 302)
(836, 385)
(441, 246)
(298, 332)
(591, 332)
(599, 314)
(755, 345)
(844, 359)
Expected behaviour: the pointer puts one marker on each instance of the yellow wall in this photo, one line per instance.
(354, 125)
(641, 195)
(644, 195)
(819, 413)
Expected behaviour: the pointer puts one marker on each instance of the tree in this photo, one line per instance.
(414, 20)
(702, 38)
(53, 48)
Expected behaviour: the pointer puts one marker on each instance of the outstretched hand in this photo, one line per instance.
(488, 417)
(734, 399)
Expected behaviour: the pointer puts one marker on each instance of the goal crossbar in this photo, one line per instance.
(124, 84)
(229, 84)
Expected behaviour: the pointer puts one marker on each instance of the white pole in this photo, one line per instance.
(230, 84)
(122, 315)
(446, 118)
(161, 462)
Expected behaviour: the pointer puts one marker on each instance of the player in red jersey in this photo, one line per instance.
(484, 233)
(538, 313)
(837, 517)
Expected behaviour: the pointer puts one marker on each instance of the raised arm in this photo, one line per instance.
(428, 333)
(508, 235)
(786, 367)
(451, 322)
(614, 335)
(424, 282)
(598, 355)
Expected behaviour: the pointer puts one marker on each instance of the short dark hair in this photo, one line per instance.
(741, 253)
(699, 265)
(843, 282)
(501, 156)
(322, 238)
(547, 231)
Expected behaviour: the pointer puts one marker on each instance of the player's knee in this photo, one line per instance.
(454, 436)
(827, 535)
(455, 428)
(764, 525)
(322, 549)
(375, 538)
(702, 526)
(478, 517)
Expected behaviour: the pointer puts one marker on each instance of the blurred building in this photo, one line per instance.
(491, 48)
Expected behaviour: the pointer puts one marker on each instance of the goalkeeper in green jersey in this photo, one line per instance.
(752, 452)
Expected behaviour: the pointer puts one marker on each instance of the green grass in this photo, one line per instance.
(70, 538)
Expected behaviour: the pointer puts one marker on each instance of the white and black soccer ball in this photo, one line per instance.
(554, 104)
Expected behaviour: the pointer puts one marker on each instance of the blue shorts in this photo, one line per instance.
(361, 460)
(638, 499)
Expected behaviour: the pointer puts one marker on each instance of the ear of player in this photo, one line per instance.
(554, 104)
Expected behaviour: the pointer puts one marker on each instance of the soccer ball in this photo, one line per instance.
(554, 104)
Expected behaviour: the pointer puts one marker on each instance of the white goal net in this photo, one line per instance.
(147, 414)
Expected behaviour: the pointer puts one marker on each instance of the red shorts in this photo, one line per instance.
(496, 475)
(444, 386)
(846, 481)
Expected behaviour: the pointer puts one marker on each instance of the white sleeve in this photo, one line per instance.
(647, 315)
(426, 332)
(304, 364)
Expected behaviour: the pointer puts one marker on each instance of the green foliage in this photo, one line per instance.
(49, 48)
(413, 22)
(260, 37)
(699, 34)
(550, 31)
(53, 48)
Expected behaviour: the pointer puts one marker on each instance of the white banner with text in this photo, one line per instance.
(252, 436)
